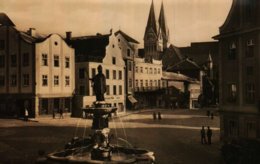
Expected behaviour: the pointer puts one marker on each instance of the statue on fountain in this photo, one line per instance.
(99, 85)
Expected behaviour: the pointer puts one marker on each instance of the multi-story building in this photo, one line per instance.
(92, 51)
(55, 79)
(129, 50)
(239, 51)
(148, 83)
(35, 73)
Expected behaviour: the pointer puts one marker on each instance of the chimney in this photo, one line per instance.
(32, 32)
(68, 35)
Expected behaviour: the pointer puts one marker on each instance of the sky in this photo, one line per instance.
(188, 20)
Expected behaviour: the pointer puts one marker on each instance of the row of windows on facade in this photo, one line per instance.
(249, 93)
(148, 70)
(56, 61)
(25, 60)
(232, 128)
(26, 80)
(249, 50)
(82, 73)
(82, 90)
(153, 83)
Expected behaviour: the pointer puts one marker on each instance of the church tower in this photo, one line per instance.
(163, 29)
(156, 35)
(151, 37)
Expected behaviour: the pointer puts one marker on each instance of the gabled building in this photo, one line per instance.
(36, 73)
(239, 39)
(129, 50)
(90, 52)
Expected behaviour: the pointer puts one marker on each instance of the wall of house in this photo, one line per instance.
(57, 88)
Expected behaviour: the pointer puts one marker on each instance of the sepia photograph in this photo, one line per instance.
(129, 81)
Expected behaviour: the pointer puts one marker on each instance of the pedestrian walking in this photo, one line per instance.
(208, 113)
(53, 113)
(203, 136)
(26, 114)
(61, 113)
(159, 116)
(154, 115)
(212, 116)
(209, 135)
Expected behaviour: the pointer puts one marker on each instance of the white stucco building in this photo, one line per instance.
(55, 79)
(106, 53)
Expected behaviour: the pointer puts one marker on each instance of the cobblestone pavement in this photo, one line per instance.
(174, 139)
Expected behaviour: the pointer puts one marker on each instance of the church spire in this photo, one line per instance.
(151, 23)
(163, 26)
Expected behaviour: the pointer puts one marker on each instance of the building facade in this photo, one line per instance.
(30, 78)
(55, 79)
(129, 50)
(148, 83)
(239, 51)
(92, 51)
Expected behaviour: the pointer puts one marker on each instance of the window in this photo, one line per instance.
(136, 69)
(233, 128)
(128, 52)
(154, 71)
(151, 71)
(159, 83)
(67, 81)
(159, 70)
(25, 79)
(146, 70)
(118, 40)
(55, 43)
(13, 80)
(141, 69)
(44, 80)
(250, 48)
(26, 59)
(249, 70)
(114, 89)
(146, 83)
(141, 83)
(120, 90)
(114, 74)
(107, 90)
(2, 80)
(82, 73)
(250, 93)
(107, 74)
(2, 44)
(82, 90)
(56, 80)
(93, 70)
(67, 62)
(129, 66)
(120, 75)
(151, 83)
(2, 61)
(44, 59)
(232, 52)
(136, 83)
(13, 60)
(232, 92)
(155, 83)
(114, 60)
(56, 61)
(130, 83)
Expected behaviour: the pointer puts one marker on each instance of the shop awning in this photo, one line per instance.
(132, 99)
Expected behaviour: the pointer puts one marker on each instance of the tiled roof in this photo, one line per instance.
(172, 76)
(5, 20)
(127, 37)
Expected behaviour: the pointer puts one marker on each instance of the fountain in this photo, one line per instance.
(98, 147)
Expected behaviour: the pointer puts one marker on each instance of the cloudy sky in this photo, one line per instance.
(188, 20)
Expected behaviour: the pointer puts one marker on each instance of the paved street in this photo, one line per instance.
(174, 139)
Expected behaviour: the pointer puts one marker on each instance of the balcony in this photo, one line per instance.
(149, 89)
